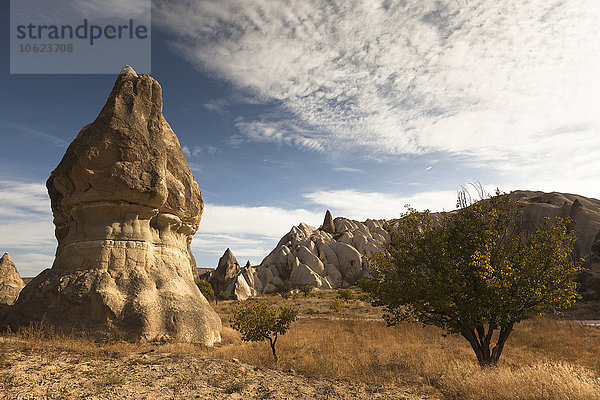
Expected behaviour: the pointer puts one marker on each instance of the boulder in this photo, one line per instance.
(307, 257)
(11, 283)
(125, 207)
(239, 289)
(302, 275)
(350, 261)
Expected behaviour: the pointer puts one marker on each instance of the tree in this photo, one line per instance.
(256, 321)
(473, 272)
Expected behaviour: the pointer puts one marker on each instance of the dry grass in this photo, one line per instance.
(543, 358)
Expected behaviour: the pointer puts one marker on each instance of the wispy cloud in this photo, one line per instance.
(26, 230)
(512, 85)
(26, 130)
(360, 205)
(348, 169)
(284, 132)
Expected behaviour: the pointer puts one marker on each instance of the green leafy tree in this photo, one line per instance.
(472, 271)
(207, 290)
(256, 321)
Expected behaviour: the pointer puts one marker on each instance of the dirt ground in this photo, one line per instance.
(31, 374)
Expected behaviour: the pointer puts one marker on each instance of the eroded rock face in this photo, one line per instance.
(11, 283)
(125, 206)
(231, 281)
(328, 257)
(226, 272)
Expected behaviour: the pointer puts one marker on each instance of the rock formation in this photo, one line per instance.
(10, 281)
(232, 282)
(332, 256)
(125, 206)
(328, 225)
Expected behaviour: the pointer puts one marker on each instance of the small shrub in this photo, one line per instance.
(207, 291)
(256, 321)
(337, 304)
(306, 290)
(365, 297)
(284, 289)
(345, 294)
(235, 387)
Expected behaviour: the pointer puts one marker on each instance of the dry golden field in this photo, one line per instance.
(348, 353)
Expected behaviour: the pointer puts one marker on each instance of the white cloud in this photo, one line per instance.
(510, 85)
(286, 132)
(26, 231)
(271, 222)
(362, 205)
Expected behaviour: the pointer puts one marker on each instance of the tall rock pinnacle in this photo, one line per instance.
(125, 206)
(328, 225)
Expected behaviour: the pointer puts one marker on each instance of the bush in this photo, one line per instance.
(207, 291)
(365, 297)
(337, 304)
(345, 294)
(256, 321)
(306, 290)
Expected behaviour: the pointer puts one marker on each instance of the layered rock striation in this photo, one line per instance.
(11, 283)
(125, 206)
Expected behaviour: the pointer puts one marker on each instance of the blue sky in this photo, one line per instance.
(286, 110)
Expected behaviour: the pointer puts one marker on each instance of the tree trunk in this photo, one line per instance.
(480, 342)
(273, 342)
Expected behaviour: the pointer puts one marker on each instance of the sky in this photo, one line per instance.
(285, 109)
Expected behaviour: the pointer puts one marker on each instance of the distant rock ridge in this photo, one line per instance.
(334, 255)
(125, 207)
(11, 283)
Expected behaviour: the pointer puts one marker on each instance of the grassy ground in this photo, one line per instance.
(543, 359)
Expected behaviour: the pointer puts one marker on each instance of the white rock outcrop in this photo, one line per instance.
(330, 256)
